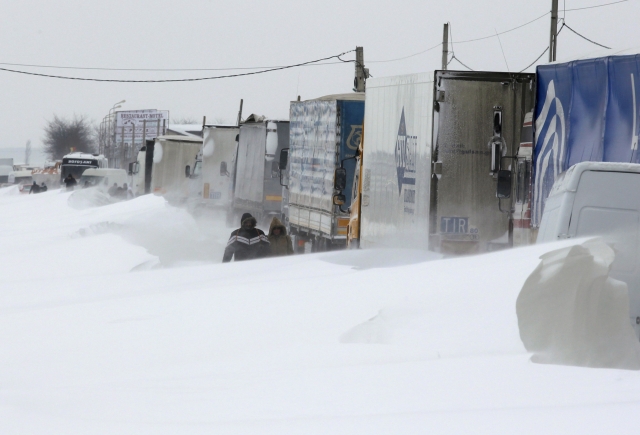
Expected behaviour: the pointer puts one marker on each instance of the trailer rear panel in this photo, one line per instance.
(323, 133)
(397, 161)
(472, 110)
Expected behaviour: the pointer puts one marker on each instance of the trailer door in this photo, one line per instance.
(472, 110)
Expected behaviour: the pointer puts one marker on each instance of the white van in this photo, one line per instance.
(104, 177)
(600, 199)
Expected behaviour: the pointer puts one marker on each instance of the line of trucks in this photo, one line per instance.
(458, 162)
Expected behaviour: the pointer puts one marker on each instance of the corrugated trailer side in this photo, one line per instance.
(324, 132)
(397, 161)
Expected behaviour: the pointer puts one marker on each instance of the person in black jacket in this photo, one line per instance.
(70, 182)
(34, 188)
(247, 242)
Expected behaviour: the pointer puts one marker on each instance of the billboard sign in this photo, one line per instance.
(133, 126)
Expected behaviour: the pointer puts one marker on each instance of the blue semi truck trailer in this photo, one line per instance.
(324, 136)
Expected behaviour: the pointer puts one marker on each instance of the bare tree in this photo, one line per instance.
(62, 136)
(183, 120)
(27, 152)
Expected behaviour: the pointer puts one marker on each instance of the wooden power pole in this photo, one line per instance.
(445, 46)
(553, 39)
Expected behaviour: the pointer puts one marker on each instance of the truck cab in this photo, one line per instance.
(600, 199)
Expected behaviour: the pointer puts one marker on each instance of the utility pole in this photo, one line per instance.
(240, 113)
(553, 39)
(445, 46)
(362, 73)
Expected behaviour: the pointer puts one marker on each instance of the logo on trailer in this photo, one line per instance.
(550, 143)
(406, 148)
(354, 138)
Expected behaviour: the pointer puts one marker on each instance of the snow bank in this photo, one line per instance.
(571, 312)
(275, 346)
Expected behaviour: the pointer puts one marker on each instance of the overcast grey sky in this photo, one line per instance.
(224, 34)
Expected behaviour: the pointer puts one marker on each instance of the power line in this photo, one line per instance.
(584, 37)
(337, 56)
(506, 31)
(545, 50)
(405, 57)
(503, 55)
(460, 62)
(596, 6)
(537, 59)
(155, 69)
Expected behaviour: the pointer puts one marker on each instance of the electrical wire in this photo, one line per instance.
(545, 50)
(502, 50)
(506, 31)
(584, 37)
(155, 69)
(537, 59)
(596, 6)
(405, 57)
(337, 56)
(460, 62)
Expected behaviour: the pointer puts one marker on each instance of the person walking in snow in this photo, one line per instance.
(34, 188)
(70, 182)
(247, 242)
(43, 187)
(113, 190)
(279, 241)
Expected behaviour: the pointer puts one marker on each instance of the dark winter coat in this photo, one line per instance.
(280, 244)
(34, 189)
(70, 182)
(247, 242)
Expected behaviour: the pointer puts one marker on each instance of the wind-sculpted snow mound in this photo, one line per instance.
(571, 312)
(86, 198)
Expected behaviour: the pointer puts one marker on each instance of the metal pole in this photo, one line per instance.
(445, 46)
(359, 80)
(144, 136)
(553, 37)
(240, 113)
(121, 146)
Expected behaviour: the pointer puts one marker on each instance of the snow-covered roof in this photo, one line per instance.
(189, 130)
(352, 96)
(79, 155)
(568, 181)
(178, 138)
(599, 53)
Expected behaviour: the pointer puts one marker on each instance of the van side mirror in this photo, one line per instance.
(339, 199)
(131, 166)
(340, 179)
(284, 159)
(504, 184)
(223, 169)
(187, 171)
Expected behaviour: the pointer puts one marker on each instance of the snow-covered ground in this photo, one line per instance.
(119, 319)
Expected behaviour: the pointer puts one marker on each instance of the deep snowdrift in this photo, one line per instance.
(277, 346)
(571, 312)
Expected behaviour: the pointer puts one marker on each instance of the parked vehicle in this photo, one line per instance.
(323, 139)
(256, 176)
(586, 110)
(49, 175)
(76, 163)
(435, 148)
(213, 167)
(164, 166)
(103, 177)
(600, 199)
(6, 166)
(22, 178)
